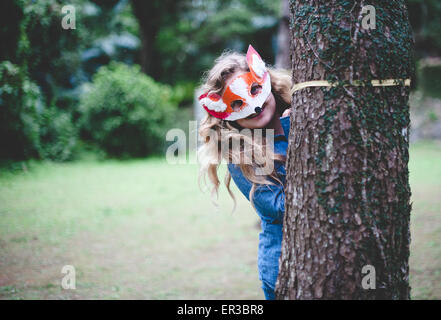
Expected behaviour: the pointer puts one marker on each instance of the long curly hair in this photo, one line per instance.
(217, 133)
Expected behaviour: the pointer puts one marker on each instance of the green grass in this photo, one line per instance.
(425, 254)
(143, 230)
(133, 229)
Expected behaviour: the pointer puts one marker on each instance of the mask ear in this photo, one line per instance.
(255, 62)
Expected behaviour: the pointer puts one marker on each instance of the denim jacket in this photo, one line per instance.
(269, 201)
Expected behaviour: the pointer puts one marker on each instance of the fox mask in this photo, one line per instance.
(245, 94)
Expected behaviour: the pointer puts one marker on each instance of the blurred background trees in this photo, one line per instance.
(51, 101)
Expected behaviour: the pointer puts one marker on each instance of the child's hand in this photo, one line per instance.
(286, 112)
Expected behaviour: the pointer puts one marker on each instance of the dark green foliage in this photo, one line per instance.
(46, 59)
(58, 135)
(188, 36)
(11, 16)
(125, 112)
(183, 93)
(27, 129)
(19, 101)
(188, 42)
(429, 82)
(60, 60)
(50, 53)
(425, 17)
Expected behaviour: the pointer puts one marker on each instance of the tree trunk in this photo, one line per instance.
(151, 16)
(144, 12)
(347, 192)
(283, 56)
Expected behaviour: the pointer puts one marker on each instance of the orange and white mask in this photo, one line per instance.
(245, 95)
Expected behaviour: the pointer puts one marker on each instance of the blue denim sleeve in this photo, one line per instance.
(269, 200)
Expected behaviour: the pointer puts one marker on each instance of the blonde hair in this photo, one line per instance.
(210, 153)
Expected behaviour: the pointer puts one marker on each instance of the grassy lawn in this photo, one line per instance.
(143, 230)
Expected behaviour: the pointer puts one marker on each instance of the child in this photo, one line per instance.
(240, 92)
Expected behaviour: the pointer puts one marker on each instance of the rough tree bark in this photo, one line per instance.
(347, 192)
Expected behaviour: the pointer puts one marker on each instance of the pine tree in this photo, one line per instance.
(346, 225)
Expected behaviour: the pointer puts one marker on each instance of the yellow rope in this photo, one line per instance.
(357, 83)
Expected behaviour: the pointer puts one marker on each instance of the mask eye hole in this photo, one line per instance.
(255, 89)
(236, 104)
